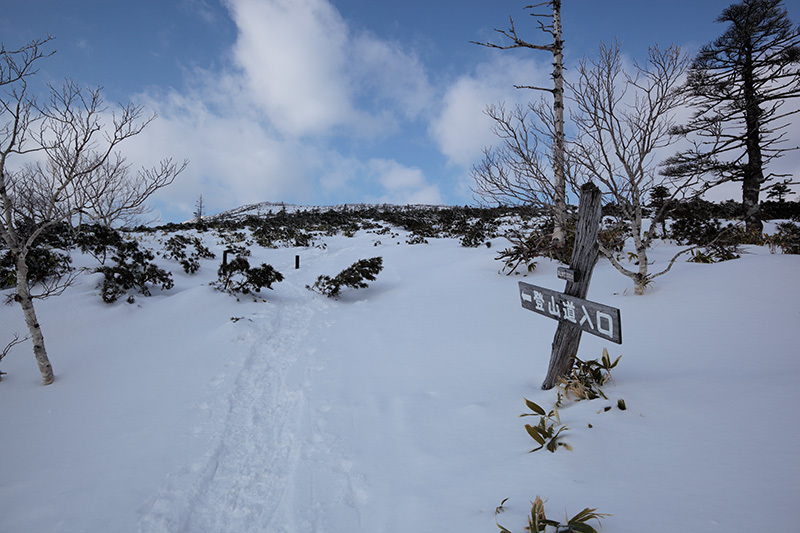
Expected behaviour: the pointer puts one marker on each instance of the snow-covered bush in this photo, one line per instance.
(475, 234)
(236, 276)
(613, 234)
(235, 249)
(44, 264)
(416, 239)
(47, 261)
(787, 238)
(352, 276)
(524, 249)
(133, 269)
(98, 240)
(272, 236)
(229, 236)
(531, 242)
(175, 248)
(696, 223)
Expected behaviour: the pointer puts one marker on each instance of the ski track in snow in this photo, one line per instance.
(272, 468)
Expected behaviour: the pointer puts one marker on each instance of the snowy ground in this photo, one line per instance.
(395, 408)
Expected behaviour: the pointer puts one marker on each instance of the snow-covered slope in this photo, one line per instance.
(395, 408)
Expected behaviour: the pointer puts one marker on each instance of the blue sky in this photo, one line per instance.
(324, 101)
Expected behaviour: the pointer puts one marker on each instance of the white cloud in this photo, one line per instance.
(398, 76)
(236, 159)
(262, 128)
(462, 129)
(311, 74)
(403, 185)
(292, 53)
(376, 181)
(233, 159)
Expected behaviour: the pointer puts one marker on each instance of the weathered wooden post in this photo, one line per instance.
(584, 257)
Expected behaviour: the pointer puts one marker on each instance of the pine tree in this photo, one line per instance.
(739, 84)
(779, 191)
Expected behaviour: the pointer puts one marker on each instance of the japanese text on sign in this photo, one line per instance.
(592, 317)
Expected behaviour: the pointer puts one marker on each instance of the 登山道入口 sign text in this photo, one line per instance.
(598, 319)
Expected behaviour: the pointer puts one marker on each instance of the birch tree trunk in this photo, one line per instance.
(640, 243)
(23, 296)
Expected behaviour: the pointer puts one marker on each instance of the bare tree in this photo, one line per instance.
(115, 196)
(519, 170)
(199, 209)
(622, 120)
(77, 172)
(515, 172)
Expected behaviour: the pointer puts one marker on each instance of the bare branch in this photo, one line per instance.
(79, 172)
(545, 89)
(517, 171)
(16, 340)
(622, 119)
(114, 195)
(516, 41)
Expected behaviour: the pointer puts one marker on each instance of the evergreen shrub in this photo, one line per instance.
(237, 276)
(133, 269)
(98, 240)
(787, 238)
(44, 264)
(353, 276)
(175, 248)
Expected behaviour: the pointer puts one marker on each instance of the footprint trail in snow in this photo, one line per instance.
(272, 467)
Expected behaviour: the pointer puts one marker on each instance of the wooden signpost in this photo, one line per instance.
(574, 313)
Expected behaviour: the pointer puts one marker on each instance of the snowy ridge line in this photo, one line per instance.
(264, 208)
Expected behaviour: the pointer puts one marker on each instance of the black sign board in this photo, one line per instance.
(592, 317)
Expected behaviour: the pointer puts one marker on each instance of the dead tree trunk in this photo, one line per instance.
(584, 257)
(559, 142)
(559, 191)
